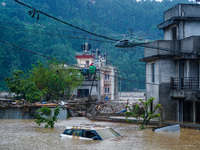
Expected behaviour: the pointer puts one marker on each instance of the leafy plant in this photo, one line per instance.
(133, 113)
(146, 116)
(44, 115)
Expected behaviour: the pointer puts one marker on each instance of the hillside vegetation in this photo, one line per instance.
(53, 39)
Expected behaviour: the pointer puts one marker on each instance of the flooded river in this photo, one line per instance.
(26, 135)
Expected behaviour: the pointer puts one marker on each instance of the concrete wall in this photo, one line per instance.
(190, 45)
(174, 11)
(152, 88)
(191, 29)
(190, 10)
(82, 61)
(18, 113)
(164, 48)
(166, 101)
(95, 89)
(184, 10)
(185, 28)
(160, 89)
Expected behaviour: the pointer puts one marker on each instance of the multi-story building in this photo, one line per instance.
(173, 64)
(105, 85)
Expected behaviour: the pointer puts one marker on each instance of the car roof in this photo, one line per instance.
(78, 127)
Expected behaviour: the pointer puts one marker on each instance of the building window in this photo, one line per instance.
(174, 34)
(107, 76)
(87, 63)
(153, 72)
(107, 90)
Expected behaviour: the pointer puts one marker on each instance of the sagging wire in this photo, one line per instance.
(34, 11)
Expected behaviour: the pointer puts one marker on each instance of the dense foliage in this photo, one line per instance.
(44, 115)
(54, 39)
(52, 81)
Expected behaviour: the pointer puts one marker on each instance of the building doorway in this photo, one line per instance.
(187, 111)
(83, 93)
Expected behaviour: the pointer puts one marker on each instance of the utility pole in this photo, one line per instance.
(89, 97)
(120, 87)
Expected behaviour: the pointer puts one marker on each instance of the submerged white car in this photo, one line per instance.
(90, 133)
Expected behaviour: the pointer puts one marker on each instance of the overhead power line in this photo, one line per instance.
(34, 11)
(50, 34)
(41, 55)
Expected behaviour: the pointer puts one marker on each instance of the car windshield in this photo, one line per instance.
(107, 133)
(67, 131)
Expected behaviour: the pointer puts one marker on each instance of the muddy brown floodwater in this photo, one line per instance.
(26, 135)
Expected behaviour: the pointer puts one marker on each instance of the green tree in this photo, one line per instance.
(44, 115)
(54, 79)
(16, 82)
(48, 81)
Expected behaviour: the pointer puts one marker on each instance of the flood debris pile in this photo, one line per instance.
(76, 106)
(115, 106)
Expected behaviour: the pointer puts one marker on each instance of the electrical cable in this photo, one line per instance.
(81, 68)
(76, 66)
(50, 34)
(34, 11)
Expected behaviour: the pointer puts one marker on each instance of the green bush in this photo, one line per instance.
(44, 115)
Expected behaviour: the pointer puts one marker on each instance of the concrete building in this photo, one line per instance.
(106, 83)
(173, 64)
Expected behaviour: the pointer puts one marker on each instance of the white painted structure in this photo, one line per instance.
(106, 85)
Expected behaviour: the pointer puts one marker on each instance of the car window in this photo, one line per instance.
(89, 134)
(67, 131)
(107, 133)
(77, 133)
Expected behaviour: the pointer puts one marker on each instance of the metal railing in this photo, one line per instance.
(190, 83)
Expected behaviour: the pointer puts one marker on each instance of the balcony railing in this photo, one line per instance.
(190, 83)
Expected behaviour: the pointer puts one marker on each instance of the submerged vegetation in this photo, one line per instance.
(44, 115)
(147, 114)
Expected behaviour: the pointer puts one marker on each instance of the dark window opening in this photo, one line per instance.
(174, 34)
(107, 90)
(83, 93)
(153, 72)
(151, 106)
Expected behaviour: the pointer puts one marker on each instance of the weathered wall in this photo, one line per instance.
(160, 89)
(18, 113)
(171, 13)
(191, 29)
(166, 101)
(164, 48)
(184, 10)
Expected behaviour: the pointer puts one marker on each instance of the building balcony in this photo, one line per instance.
(187, 88)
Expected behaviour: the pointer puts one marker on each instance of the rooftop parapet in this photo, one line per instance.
(182, 10)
